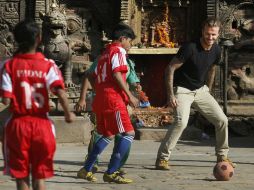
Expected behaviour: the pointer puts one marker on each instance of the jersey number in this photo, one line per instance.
(32, 95)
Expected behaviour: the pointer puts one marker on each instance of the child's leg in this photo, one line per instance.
(125, 157)
(39, 184)
(99, 146)
(23, 183)
(94, 138)
(94, 135)
(119, 152)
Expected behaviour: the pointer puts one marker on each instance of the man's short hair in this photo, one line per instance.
(122, 30)
(211, 22)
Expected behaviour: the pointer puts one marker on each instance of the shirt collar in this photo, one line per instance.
(118, 44)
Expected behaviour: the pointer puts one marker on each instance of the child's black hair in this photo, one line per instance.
(122, 30)
(25, 34)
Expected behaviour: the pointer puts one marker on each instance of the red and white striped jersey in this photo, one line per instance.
(27, 79)
(112, 60)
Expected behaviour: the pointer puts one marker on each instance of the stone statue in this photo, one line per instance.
(56, 44)
(238, 26)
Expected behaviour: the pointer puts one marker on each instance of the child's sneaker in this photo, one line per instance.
(116, 178)
(121, 171)
(83, 174)
(95, 168)
(225, 159)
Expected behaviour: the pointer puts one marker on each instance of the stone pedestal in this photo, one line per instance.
(77, 132)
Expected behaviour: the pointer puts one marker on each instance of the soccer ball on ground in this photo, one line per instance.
(223, 171)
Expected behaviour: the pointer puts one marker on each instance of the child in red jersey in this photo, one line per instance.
(29, 135)
(110, 106)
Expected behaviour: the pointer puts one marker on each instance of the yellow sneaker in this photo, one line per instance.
(83, 174)
(162, 164)
(225, 159)
(116, 178)
(95, 168)
(121, 171)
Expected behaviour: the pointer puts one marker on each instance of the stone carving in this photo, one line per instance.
(10, 10)
(6, 38)
(78, 33)
(56, 45)
(9, 16)
(66, 41)
(78, 36)
(238, 25)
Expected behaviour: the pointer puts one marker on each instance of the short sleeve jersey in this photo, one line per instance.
(26, 80)
(112, 60)
(196, 64)
(131, 76)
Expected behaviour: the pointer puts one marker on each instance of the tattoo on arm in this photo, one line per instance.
(174, 64)
(169, 81)
(211, 76)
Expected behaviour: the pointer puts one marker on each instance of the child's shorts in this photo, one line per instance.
(113, 122)
(29, 146)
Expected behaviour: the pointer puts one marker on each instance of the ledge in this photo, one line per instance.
(241, 108)
(152, 51)
(158, 134)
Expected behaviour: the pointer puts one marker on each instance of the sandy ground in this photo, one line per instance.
(192, 165)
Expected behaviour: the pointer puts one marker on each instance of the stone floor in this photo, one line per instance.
(192, 165)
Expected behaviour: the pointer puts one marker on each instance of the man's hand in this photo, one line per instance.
(69, 117)
(172, 101)
(80, 106)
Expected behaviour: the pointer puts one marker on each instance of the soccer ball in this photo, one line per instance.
(223, 171)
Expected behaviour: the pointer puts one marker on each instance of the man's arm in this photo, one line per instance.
(91, 79)
(118, 77)
(211, 76)
(81, 104)
(86, 83)
(170, 70)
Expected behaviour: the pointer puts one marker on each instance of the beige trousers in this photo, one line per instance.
(205, 103)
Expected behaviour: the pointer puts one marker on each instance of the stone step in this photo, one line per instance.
(244, 108)
(80, 130)
(158, 133)
(77, 132)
